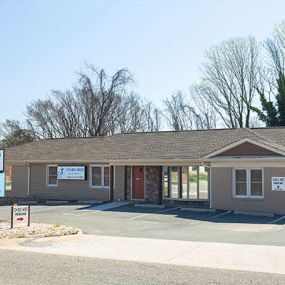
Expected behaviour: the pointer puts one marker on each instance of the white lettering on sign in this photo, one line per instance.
(278, 183)
(20, 216)
(71, 172)
(1, 160)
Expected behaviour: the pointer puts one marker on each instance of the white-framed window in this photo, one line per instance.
(52, 175)
(99, 176)
(248, 182)
(186, 182)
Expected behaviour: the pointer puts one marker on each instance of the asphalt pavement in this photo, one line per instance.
(27, 268)
(169, 223)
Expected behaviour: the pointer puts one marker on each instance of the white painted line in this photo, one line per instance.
(43, 208)
(76, 215)
(220, 215)
(277, 220)
(148, 214)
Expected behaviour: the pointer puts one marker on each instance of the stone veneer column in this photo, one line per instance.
(128, 182)
(153, 184)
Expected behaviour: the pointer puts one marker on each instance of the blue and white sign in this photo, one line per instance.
(71, 172)
(2, 184)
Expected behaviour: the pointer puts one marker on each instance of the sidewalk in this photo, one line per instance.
(255, 258)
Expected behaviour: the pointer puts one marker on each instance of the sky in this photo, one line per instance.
(162, 43)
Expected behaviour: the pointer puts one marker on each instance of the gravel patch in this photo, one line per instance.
(36, 230)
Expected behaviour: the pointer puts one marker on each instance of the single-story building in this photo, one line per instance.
(229, 169)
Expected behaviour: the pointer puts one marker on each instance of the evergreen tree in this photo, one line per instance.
(273, 113)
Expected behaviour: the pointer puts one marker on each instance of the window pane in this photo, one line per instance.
(174, 182)
(184, 182)
(166, 181)
(106, 176)
(52, 180)
(203, 182)
(241, 175)
(96, 176)
(8, 177)
(240, 188)
(53, 170)
(193, 182)
(256, 182)
(256, 189)
(241, 185)
(256, 175)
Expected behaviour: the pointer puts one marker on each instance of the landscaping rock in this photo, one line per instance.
(36, 230)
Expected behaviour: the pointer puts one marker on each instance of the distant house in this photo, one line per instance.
(230, 169)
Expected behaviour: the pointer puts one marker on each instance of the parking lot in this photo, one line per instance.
(162, 223)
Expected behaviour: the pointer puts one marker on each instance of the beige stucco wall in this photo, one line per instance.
(119, 185)
(66, 189)
(19, 187)
(222, 197)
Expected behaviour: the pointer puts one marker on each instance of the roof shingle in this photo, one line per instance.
(153, 145)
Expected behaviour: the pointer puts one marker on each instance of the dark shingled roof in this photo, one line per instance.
(152, 145)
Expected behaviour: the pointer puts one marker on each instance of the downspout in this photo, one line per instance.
(29, 179)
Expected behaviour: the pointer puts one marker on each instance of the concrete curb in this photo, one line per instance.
(149, 206)
(29, 203)
(51, 203)
(255, 214)
(91, 202)
(199, 210)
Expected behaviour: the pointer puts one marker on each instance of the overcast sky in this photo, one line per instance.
(44, 43)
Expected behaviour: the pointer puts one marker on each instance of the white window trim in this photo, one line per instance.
(47, 176)
(248, 183)
(188, 183)
(102, 186)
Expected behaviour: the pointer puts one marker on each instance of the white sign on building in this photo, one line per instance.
(20, 216)
(71, 172)
(1, 160)
(2, 184)
(278, 183)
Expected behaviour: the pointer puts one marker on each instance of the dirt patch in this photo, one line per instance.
(36, 230)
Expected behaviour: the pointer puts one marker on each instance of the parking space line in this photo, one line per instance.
(277, 220)
(148, 214)
(43, 208)
(74, 214)
(220, 215)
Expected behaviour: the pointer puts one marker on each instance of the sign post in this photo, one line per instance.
(20, 216)
(2, 174)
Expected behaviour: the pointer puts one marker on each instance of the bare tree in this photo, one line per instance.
(206, 116)
(229, 80)
(271, 85)
(183, 114)
(92, 108)
(152, 117)
(130, 115)
(13, 133)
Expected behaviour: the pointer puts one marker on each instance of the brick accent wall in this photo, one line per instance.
(128, 185)
(153, 184)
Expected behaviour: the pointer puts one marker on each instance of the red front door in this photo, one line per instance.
(138, 182)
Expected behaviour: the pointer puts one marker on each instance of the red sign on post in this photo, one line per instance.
(20, 216)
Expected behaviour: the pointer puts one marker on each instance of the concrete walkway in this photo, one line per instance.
(255, 258)
(108, 206)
